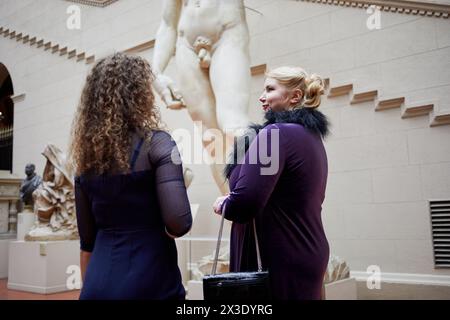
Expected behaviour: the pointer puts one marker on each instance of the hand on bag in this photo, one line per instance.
(217, 206)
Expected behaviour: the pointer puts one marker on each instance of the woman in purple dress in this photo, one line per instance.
(130, 195)
(277, 175)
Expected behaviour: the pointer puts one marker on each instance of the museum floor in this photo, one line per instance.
(389, 292)
(6, 294)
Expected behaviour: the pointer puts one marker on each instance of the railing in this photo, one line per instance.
(95, 3)
(6, 134)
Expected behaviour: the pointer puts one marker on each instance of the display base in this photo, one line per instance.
(25, 220)
(43, 267)
(4, 249)
(341, 290)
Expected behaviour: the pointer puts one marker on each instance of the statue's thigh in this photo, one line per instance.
(195, 87)
(193, 81)
(230, 80)
(230, 68)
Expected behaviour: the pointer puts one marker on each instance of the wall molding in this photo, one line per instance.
(18, 97)
(258, 69)
(140, 47)
(422, 8)
(405, 278)
(95, 3)
(405, 7)
(53, 48)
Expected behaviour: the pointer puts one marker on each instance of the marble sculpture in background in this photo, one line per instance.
(54, 201)
(29, 184)
(209, 40)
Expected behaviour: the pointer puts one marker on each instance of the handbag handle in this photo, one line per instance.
(219, 239)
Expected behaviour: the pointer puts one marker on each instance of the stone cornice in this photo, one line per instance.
(141, 47)
(95, 3)
(423, 8)
(399, 6)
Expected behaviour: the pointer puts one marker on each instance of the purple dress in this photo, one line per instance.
(286, 204)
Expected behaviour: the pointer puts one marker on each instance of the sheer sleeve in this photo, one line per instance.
(85, 220)
(258, 176)
(171, 191)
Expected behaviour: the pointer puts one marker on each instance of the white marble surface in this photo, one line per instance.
(4, 248)
(25, 221)
(41, 267)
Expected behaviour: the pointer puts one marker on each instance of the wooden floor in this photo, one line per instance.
(6, 294)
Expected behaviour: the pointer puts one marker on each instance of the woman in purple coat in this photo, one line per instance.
(277, 176)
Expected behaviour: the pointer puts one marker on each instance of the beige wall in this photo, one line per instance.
(383, 169)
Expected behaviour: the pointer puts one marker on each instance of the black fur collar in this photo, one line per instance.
(311, 119)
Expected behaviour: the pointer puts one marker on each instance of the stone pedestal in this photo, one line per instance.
(25, 220)
(43, 267)
(341, 290)
(4, 247)
(9, 195)
(194, 290)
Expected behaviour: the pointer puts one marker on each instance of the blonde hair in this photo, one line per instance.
(312, 86)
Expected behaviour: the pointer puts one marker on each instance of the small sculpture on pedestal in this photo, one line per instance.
(337, 270)
(54, 201)
(204, 265)
(29, 184)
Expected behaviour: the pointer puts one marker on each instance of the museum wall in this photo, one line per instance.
(383, 169)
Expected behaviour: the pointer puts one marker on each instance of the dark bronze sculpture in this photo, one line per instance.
(29, 184)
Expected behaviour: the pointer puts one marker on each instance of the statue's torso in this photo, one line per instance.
(209, 18)
(27, 188)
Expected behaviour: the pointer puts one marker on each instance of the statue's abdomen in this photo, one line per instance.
(208, 21)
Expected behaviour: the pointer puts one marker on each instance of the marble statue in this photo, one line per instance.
(29, 184)
(54, 201)
(188, 177)
(337, 270)
(210, 40)
(204, 265)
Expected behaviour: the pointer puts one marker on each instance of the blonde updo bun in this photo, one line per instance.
(312, 86)
(314, 89)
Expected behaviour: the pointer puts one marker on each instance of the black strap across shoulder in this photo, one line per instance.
(135, 155)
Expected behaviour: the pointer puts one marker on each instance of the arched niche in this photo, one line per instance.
(6, 119)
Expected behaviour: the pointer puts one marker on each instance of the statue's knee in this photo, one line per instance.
(232, 124)
(197, 115)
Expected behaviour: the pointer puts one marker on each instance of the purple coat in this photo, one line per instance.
(285, 197)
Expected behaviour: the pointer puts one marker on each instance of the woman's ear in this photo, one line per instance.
(296, 96)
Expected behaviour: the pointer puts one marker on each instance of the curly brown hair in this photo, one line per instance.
(117, 101)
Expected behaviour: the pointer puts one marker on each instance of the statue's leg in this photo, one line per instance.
(197, 93)
(230, 80)
(195, 87)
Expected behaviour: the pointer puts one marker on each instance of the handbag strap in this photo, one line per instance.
(219, 239)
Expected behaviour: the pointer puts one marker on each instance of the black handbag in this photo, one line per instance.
(236, 285)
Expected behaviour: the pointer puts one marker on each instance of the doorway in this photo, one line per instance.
(6, 119)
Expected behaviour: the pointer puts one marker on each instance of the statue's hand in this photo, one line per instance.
(188, 177)
(168, 92)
